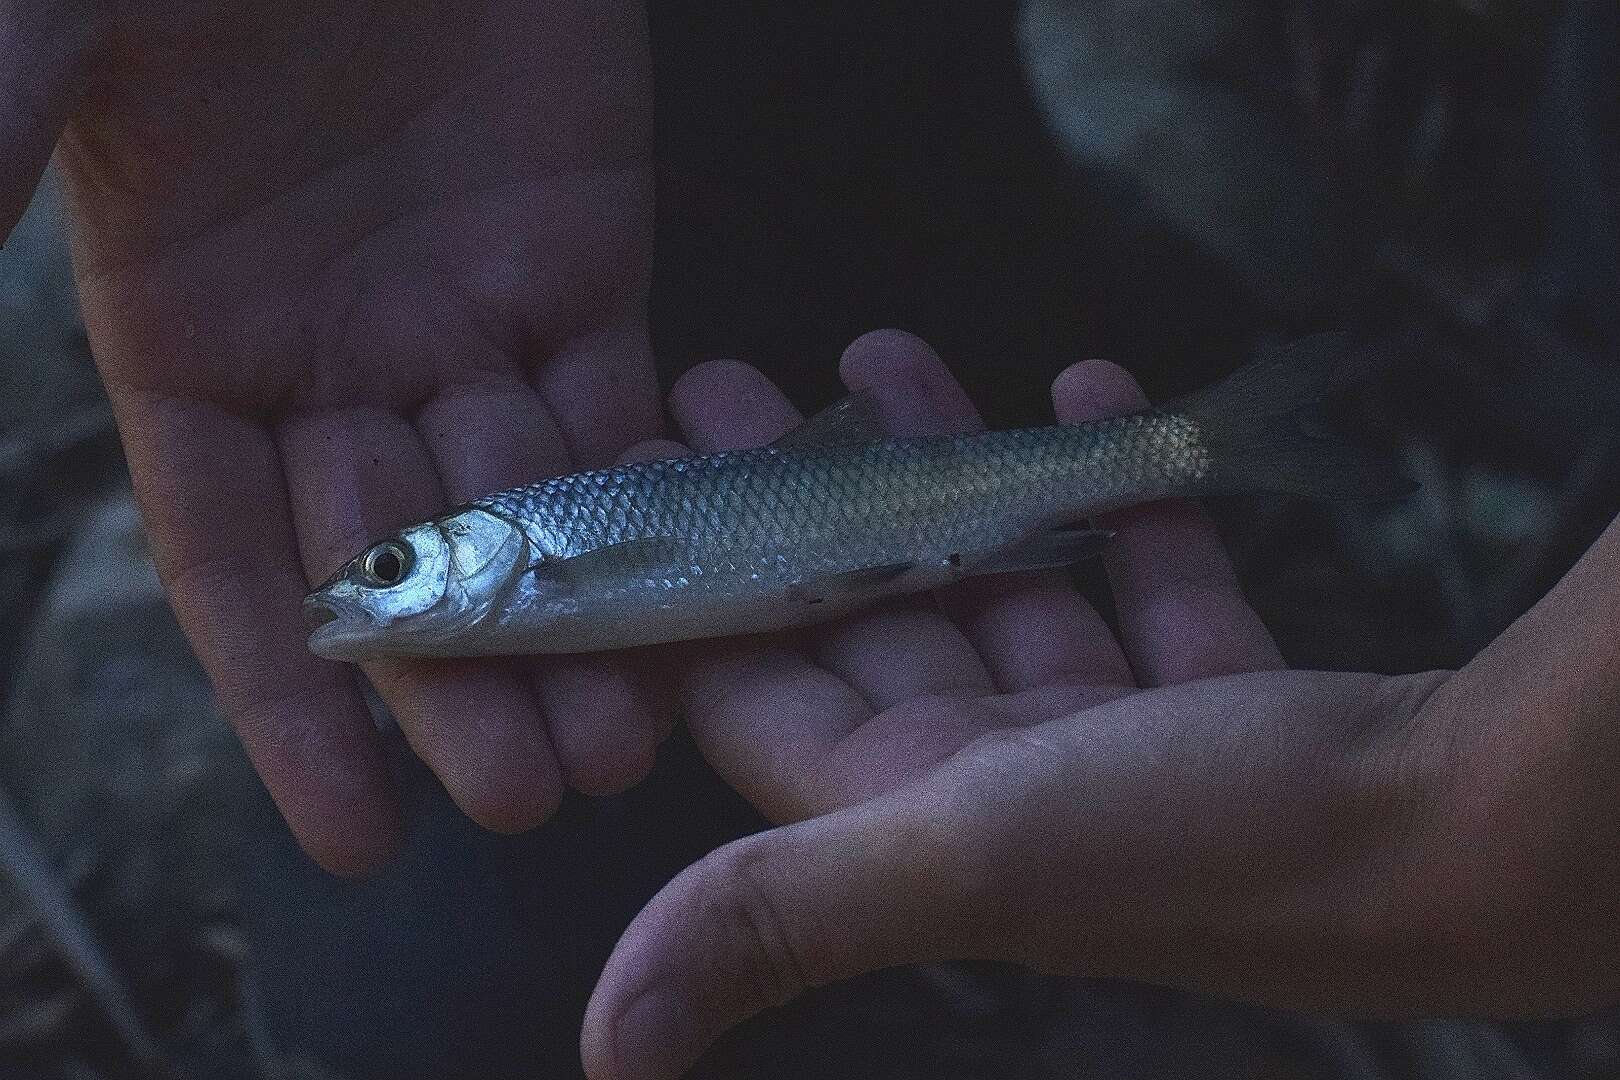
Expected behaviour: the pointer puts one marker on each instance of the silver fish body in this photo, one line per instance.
(768, 539)
(764, 539)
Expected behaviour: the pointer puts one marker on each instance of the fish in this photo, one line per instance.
(825, 522)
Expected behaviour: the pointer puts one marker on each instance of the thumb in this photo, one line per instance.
(46, 48)
(892, 881)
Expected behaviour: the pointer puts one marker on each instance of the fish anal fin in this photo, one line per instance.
(1049, 548)
(853, 419)
(846, 587)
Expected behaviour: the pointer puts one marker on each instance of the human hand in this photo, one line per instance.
(343, 264)
(1000, 777)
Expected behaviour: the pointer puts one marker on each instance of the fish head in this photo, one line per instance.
(420, 591)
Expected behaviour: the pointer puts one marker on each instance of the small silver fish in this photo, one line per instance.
(818, 525)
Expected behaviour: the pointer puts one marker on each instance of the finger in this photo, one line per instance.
(1026, 629)
(486, 438)
(764, 714)
(899, 650)
(602, 728)
(760, 920)
(46, 50)
(727, 405)
(608, 713)
(1182, 615)
(905, 648)
(1036, 630)
(603, 391)
(606, 721)
(767, 718)
(916, 393)
(356, 474)
(215, 504)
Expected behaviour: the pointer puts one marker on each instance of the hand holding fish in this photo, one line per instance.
(996, 775)
(342, 264)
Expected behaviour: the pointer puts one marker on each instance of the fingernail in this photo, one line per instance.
(657, 1038)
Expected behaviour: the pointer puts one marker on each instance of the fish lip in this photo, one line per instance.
(335, 641)
(337, 632)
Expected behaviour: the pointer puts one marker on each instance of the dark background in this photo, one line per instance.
(1172, 184)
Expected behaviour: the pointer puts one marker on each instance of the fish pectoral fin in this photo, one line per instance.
(853, 419)
(1047, 549)
(648, 555)
(847, 586)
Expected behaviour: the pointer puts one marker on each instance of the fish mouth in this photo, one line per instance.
(334, 632)
(317, 613)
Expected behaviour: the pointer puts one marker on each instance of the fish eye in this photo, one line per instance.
(386, 564)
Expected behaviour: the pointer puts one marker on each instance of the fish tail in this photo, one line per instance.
(1265, 430)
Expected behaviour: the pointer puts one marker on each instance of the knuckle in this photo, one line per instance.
(203, 576)
(1006, 748)
(769, 960)
(948, 709)
(995, 809)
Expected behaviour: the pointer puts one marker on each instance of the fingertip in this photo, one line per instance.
(755, 922)
(885, 355)
(612, 765)
(727, 404)
(477, 726)
(709, 377)
(1094, 389)
(512, 817)
(604, 727)
(351, 828)
(613, 776)
(513, 786)
(596, 1054)
(685, 970)
(324, 772)
(603, 390)
(915, 390)
(599, 1034)
(362, 850)
(658, 1033)
(619, 1038)
(508, 787)
(350, 834)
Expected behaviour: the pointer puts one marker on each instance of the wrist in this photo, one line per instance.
(1246, 836)
(1510, 883)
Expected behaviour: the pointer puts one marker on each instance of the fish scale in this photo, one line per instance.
(875, 503)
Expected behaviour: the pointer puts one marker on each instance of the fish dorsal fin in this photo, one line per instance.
(651, 555)
(853, 419)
